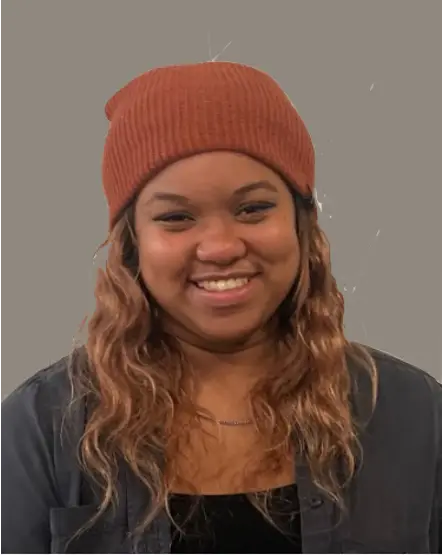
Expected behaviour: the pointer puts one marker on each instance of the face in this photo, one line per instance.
(218, 247)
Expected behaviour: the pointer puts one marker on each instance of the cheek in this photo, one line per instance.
(278, 242)
(162, 258)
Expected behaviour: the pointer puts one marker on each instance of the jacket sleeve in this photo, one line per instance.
(28, 477)
(436, 522)
(439, 470)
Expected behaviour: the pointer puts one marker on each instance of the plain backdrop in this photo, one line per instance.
(366, 78)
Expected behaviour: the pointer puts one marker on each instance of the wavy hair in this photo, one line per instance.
(133, 374)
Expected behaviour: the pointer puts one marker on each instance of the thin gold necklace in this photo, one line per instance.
(227, 422)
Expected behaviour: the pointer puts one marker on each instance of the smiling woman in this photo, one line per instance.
(217, 406)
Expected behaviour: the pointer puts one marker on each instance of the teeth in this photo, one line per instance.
(222, 285)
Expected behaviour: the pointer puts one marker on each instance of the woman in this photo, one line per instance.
(217, 405)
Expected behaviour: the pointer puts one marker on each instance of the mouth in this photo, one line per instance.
(222, 285)
(226, 292)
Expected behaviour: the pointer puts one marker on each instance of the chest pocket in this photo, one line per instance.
(108, 535)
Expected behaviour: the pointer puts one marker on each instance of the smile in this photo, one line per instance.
(222, 285)
(224, 293)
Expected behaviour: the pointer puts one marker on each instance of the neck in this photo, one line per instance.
(222, 380)
(224, 362)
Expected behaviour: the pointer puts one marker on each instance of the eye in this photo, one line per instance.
(255, 208)
(173, 218)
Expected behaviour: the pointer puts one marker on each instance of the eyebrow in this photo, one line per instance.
(241, 191)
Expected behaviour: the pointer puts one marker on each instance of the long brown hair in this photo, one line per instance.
(134, 370)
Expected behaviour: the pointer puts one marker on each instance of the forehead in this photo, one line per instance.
(217, 172)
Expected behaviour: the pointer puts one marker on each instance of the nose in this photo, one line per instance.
(220, 244)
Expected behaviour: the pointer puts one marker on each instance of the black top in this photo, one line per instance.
(230, 524)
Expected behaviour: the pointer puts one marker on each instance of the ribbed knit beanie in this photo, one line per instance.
(174, 112)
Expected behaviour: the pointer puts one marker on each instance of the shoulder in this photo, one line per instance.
(50, 384)
(41, 402)
(404, 393)
(398, 376)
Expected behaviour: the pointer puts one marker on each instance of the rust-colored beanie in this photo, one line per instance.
(173, 112)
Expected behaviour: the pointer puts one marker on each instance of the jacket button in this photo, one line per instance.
(316, 502)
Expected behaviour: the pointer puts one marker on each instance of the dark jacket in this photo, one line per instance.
(394, 503)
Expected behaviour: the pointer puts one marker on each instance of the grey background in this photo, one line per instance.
(365, 76)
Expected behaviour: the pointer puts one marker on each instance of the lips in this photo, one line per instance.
(222, 285)
(225, 292)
